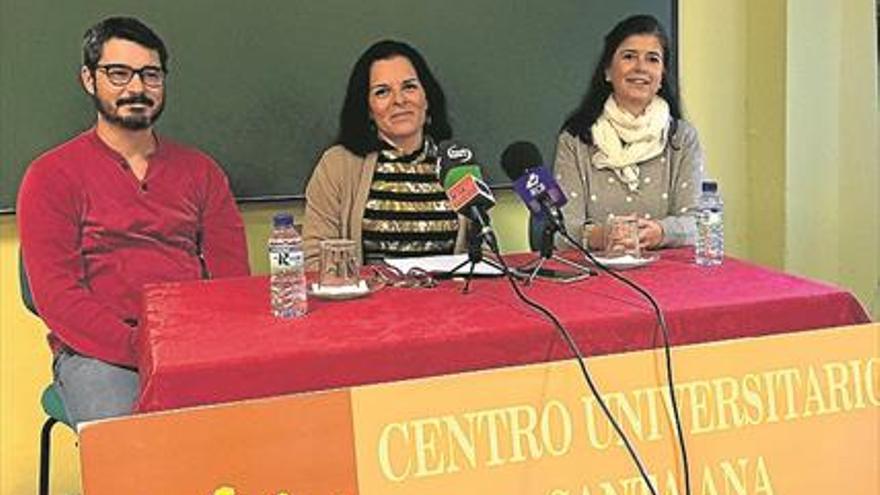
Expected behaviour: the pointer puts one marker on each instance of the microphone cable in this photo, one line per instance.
(666, 350)
(573, 347)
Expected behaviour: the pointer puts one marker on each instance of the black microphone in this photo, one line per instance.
(533, 182)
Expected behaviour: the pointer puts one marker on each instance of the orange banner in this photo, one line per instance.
(794, 413)
(256, 447)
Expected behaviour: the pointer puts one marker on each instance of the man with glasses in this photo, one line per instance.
(113, 209)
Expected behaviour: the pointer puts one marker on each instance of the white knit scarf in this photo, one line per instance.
(624, 141)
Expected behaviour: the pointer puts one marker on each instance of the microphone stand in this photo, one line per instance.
(553, 225)
(475, 239)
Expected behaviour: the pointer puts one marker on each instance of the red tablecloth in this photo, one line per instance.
(214, 341)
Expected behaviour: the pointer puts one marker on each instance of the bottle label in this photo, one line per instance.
(283, 259)
(712, 217)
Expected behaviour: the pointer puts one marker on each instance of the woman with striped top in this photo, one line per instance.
(378, 185)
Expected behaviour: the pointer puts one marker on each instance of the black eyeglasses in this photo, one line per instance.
(121, 74)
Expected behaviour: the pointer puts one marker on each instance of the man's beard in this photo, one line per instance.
(133, 122)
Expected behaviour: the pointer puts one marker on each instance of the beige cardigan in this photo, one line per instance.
(336, 197)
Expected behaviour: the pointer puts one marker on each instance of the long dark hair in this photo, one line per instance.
(356, 132)
(582, 119)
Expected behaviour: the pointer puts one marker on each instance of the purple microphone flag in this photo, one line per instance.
(538, 186)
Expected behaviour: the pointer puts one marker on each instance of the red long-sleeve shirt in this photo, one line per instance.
(92, 235)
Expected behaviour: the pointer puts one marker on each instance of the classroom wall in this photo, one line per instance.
(24, 372)
(713, 84)
(765, 130)
(283, 86)
(752, 106)
(784, 94)
(832, 178)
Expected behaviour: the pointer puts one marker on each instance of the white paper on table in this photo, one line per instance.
(442, 264)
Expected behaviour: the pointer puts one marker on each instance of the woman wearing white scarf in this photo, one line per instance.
(626, 150)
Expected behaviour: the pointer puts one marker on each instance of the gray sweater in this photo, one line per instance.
(669, 186)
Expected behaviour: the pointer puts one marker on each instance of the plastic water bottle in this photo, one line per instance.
(287, 282)
(709, 249)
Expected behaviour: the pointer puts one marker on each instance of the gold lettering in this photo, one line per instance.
(663, 393)
(561, 418)
(671, 483)
(518, 432)
(701, 418)
(593, 425)
(627, 413)
(855, 367)
(741, 476)
(489, 438)
(726, 400)
(762, 478)
(770, 387)
(709, 487)
(788, 377)
(734, 478)
(607, 488)
(447, 444)
(653, 412)
(814, 395)
(228, 490)
(872, 381)
(428, 460)
(633, 486)
(837, 376)
(645, 489)
(458, 441)
(492, 434)
(385, 451)
(751, 392)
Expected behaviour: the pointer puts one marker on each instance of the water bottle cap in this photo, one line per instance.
(710, 186)
(282, 219)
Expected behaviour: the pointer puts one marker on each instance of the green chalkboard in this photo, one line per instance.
(258, 84)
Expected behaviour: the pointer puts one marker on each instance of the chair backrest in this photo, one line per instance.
(26, 296)
(51, 400)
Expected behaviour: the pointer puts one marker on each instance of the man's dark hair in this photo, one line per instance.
(126, 28)
(356, 132)
(582, 119)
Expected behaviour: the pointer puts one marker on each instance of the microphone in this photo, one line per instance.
(533, 182)
(463, 182)
(451, 154)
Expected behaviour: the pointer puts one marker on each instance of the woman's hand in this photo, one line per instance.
(595, 239)
(650, 233)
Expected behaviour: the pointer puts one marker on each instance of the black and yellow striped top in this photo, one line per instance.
(407, 213)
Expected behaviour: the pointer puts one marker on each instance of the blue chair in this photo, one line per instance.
(50, 400)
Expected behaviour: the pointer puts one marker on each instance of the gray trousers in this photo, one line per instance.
(93, 389)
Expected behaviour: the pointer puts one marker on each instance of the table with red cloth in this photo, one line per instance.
(214, 341)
